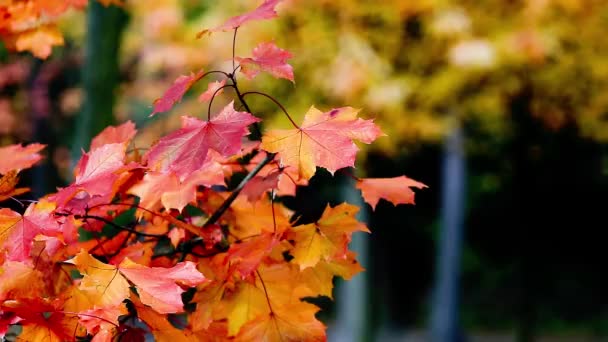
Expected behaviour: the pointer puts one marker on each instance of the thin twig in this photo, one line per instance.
(213, 97)
(234, 46)
(256, 126)
(115, 225)
(220, 211)
(276, 102)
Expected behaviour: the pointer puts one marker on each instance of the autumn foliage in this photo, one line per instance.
(154, 241)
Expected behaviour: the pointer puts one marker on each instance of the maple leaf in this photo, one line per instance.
(247, 219)
(243, 303)
(396, 190)
(42, 320)
(57, 7)
(292, 322)
(160, 327)
(288, 177)
(257, 186)
(267, 57)
(264, 11)
(328, 238)
(19, 280)
(319, 279)
(157, 286)
(102, 284)
(175, 194)
(7, 186)
(17, 157)
(214, 88)
(95, 174)
(114, 135)
(324, 139)
(185, 150)
(17, 232)
(101, 322)
(175, 93)
(139, 252)
(39, 41)
(245, 257)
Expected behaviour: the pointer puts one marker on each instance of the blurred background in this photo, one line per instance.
(499, 106)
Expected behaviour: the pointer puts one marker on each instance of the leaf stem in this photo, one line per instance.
(213, 98)
(234, 46)
(232, 77)
(276, 102)
(220, 211)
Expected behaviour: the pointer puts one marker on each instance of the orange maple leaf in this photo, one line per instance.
(39, 41)
(328, 238)
(324, 139)
(396, 190)
(292, 322)
(7, 186)
(102, 284)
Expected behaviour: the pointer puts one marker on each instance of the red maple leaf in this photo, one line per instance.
(214, 88)
(95, 173)
(175, 93)
(267, 57)
(114, 135)
(17, 232)
(185, 150)
(17, 157)
(157, 286)
(264, 11)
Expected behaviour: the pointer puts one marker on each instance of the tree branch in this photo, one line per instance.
(220, 211)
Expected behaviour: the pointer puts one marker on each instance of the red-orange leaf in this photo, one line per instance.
(270, 58)
(185, 150)
(114, 135)
(245, 257)
(175, 93)
(396, 190)
(17, 157)
(324, 139)
(7, 185)
(17, 232)
(95, 173)
(264, 11)
(214, 88)
(157, 286)
(42, 320)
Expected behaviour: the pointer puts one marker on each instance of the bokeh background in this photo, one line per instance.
(499, 106)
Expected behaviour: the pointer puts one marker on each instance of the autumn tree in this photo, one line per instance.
(188, 239)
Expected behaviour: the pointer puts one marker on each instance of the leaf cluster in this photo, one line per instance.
(175, 252)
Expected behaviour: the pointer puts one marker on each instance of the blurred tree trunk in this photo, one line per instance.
(445, 307)
(101, 73)
(352, 319)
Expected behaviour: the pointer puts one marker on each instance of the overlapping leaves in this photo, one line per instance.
(169, 236)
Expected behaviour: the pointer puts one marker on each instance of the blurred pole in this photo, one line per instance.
(352, 322)
(445, 306)
(100, 72)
